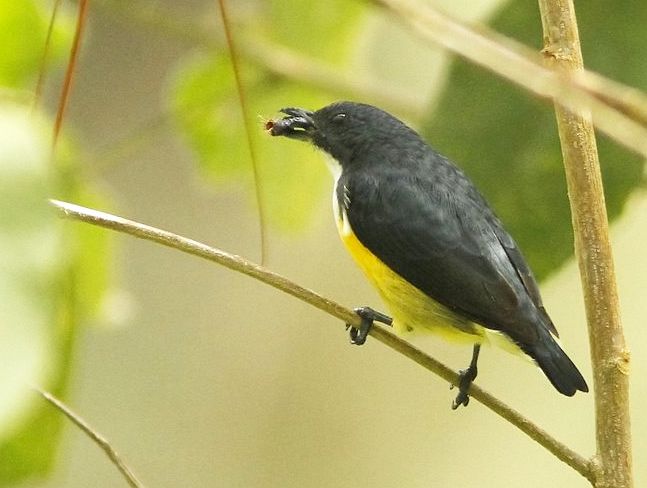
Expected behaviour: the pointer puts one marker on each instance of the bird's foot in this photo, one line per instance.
(466, 377)
(359, 334)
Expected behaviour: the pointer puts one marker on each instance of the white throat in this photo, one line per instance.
(333, 166)
(343, 226)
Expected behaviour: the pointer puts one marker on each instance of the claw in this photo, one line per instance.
(359, 334)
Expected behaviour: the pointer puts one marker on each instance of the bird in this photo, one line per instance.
(428, 241)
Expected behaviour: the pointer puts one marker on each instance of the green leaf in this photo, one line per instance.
(40, 273)
(30, 263)
(292, 176)
(53, 276)
(208, 111)
(204, 99)
(322, 30)
(23, 29)
(507, 141)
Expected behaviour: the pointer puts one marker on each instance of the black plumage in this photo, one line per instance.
(423, 218)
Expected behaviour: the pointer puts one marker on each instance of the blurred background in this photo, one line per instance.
(203, 377)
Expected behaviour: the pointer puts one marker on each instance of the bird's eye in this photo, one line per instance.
(338, 118)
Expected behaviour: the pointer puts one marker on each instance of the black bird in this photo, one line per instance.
(427, 239)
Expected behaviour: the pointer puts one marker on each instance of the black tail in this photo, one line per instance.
(556, 365)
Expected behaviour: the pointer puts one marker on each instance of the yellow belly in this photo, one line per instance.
(411, 309)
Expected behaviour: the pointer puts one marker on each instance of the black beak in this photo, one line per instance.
(298, 124)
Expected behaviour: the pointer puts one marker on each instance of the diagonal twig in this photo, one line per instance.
(620, 109)
(241, 265)
(618, 113)
(96, 437)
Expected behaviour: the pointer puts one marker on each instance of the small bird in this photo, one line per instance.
(427, 240)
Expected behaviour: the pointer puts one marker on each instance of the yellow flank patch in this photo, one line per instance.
(411, 309)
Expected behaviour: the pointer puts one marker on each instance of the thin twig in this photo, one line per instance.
(42, 70)
(247, 123)
(521, 65)
(69, 73)
(627, 100)
(96, 437)
(615, 103)
(609, 355)
(237, 263)
(291, 64)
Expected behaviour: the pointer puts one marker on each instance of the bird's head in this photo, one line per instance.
(341, 129)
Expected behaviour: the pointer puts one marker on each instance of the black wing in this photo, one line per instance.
(426, 221)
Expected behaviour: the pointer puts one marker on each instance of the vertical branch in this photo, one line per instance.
(609, 354)
(249, 127)
(43, 61)
(69, 73)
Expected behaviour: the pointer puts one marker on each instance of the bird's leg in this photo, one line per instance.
(368, 316)
(466, 377)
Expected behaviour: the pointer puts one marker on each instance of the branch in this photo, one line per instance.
(291, 64)
(42, 70)
(69, 72)
(617, 103)
(613, 112)
(609, 354)
(248, 125)
(241, 265)
(97, 438)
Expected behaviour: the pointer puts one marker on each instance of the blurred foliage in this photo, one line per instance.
(204, 99)
(32, 264)
(44, 265)
(290, 177)
(504, 139)
(23, 29)
(508, 142)
(54, 276)
(28, 248)
(323, 30)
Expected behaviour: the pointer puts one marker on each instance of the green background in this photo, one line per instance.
(201, 377)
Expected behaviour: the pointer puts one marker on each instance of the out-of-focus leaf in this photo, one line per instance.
(52, 277)
(89, 250)
(292, 176)
(31, 260)
(508, 143)
(209, 113)
(23, 28)
(206, 104)
(323, 30)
